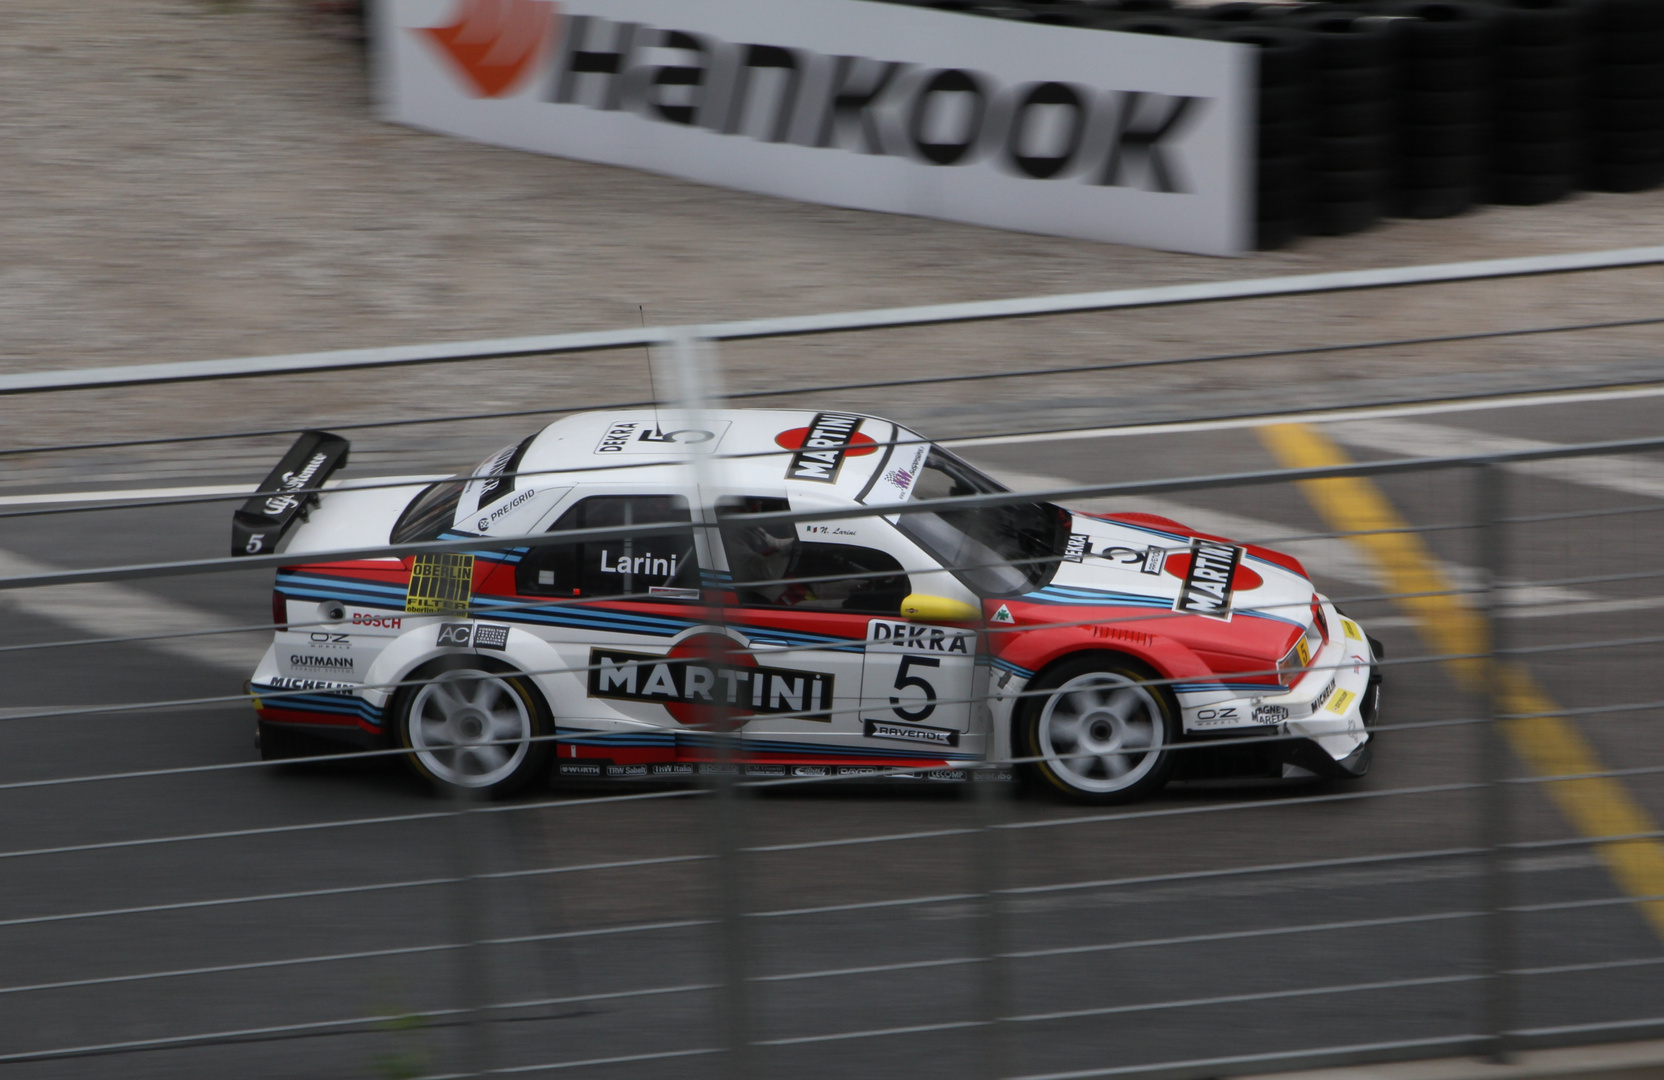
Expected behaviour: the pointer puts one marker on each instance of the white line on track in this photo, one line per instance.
(105, 609)
(1331, 416)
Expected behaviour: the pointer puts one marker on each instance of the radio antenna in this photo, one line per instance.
(641, 312)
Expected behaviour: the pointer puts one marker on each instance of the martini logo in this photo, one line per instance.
(1207, 588)
(708, 679)
(822, 446)
(494, 44)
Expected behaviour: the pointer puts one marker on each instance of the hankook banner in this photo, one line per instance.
(1132, 138)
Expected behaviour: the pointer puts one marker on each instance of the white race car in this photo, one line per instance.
(1105, 653)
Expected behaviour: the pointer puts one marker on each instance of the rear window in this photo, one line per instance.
(434, 510)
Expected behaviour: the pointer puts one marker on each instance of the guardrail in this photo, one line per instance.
(756, 925)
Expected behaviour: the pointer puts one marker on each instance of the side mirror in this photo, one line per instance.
(924, 608)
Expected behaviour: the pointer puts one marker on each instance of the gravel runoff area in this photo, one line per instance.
(192, 179)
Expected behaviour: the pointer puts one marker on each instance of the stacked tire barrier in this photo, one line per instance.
(1420, 108)
(1537, 125)
(1284, 134)
(1625, 114)
(1354, 66)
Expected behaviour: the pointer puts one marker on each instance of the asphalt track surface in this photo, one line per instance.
(1148, 934)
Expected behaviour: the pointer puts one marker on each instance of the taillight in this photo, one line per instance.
(1319, 620)
(280, 609)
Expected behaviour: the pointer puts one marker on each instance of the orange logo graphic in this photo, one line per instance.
(495, 43)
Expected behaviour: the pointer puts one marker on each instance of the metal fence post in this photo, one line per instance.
(696, 386)
(1491, 500)
(472, 977)
(988, 857)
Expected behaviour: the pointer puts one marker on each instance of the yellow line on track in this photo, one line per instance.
(1549, 744)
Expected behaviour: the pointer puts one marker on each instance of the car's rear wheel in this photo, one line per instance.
(469, 727)
(1098, 731)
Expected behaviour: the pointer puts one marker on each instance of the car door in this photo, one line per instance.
(804, 604)
(614, 607)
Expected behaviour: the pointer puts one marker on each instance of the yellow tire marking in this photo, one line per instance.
(1549, 744)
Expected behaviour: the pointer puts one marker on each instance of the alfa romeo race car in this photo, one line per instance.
(653, 603)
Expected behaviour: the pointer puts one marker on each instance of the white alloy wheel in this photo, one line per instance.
(1100, 732)
(469, 728)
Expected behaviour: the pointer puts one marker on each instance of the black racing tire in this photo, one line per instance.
(473, 723)
(1281, 140)
(1242, 11)
(1284, 53)
(1441, 172)
(1354, 121)
(1627, 114)
(1347, 86)
(1426, 203)
(1537, 159)
(1344, 218)
(1101, 733)
(1621, 81)
(1344, 39)
(1541, 22)
(1276, 234)
(1279, 204)
(1562, 93)
(1451, 107)
(1566, 60)
(1441, 140)
(1358, 185)
(1628, 16)
(1285, 104)
(1628, 47)
(1347, 155)
(1161, 25)
(1132, 7)
(1625, 176)
(1529, 189)
(1446, 74)
(1537, 127)
(1283, 174)
(1445, 27)
(1625, 147)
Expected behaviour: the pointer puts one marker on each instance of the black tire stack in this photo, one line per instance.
(1625, 120)
(1443, 106)
(1284, 134)
(1537, 122)
(1355, 59)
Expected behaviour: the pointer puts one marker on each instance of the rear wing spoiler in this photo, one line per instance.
(268, 516)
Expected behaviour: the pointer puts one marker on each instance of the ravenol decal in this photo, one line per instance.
(694, 680)
(1207, 582)
(440, 584)
(822, 446)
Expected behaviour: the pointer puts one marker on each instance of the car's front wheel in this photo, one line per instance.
(468, 727)
(1097, 731)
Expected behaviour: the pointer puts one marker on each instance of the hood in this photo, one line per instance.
(1241, 599)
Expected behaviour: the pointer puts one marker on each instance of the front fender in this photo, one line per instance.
(1036, 650)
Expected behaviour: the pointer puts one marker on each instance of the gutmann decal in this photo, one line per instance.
(800, 91)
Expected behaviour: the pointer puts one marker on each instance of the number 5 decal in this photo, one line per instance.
(904, 680)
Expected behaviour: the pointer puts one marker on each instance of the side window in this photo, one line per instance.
(658, 567)
(771, 567)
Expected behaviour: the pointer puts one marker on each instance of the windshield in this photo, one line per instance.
(996, 550)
